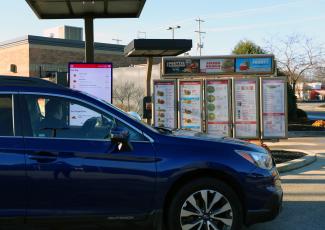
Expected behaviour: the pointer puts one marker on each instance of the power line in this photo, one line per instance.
(200, 32)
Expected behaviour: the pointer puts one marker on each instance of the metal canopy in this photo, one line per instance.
(157, 47)
(67, 9)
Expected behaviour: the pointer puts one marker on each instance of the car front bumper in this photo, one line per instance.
(266, 201)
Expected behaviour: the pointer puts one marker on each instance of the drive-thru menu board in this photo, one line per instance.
(165, 107)
(245, 108)
(190, 96)
(217, 97)
(95, 79)
(274, 108)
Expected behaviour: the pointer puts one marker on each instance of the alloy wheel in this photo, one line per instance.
(206, 210)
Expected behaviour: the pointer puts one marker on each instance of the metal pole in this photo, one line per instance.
(89, 43)
(200, 41)
(149, 72)
(173, 33)
(200, 45)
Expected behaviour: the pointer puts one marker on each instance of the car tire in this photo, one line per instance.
(190, 199)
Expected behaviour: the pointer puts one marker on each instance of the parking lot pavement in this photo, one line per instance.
(304, 191)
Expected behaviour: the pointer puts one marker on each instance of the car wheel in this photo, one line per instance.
(206, 204)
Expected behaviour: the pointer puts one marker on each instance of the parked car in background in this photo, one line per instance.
(67, 158)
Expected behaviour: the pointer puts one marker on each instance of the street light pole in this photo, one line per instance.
(173, 28)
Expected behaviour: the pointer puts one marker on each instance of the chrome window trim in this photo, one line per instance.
(150, 140)
(9, 92)
(11, 136)
(79, 139)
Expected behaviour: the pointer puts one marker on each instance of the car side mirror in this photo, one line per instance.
(120, 137)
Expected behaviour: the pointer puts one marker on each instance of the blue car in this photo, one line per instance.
(69, 159)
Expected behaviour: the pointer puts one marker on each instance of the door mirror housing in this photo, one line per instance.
(120, 137)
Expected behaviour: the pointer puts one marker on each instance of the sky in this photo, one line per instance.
(226, 22)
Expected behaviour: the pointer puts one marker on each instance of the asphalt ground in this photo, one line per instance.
(304, 191)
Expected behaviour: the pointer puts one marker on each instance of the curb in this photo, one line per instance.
(297, 163)
(306, 134)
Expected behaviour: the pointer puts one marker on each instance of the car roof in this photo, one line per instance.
(10, 81)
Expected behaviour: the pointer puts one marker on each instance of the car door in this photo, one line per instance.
(74, 169)
(12, 163)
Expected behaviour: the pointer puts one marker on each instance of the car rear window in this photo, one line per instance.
(6, 121)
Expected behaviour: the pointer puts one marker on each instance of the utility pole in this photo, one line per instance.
(200, 32)
(117, 40)
(173, 28)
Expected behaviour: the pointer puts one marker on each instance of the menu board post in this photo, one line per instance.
(274, 111)
(190, 107)
(165, 103)
(218, 107)
(245, 108)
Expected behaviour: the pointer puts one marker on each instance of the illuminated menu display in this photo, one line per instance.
(217, 107)
(93, 79)
(165, 104)
(190, 93)
(246, 112)
(274, 115)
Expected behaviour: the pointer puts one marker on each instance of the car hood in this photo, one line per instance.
(192, 135)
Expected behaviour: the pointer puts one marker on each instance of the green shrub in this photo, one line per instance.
(292, 104)
(301, 113)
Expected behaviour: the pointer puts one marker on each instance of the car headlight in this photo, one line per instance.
(260, 159)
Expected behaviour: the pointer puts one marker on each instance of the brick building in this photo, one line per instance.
(38, 56)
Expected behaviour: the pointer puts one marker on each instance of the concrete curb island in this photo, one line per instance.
(297, 163)
(292, 134)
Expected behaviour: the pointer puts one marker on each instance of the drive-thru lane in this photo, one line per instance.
(304, 190)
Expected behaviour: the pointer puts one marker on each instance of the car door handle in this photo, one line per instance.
(43, 157)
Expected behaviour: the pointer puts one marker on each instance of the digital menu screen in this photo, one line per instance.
(190, 93)
(94, 79)
(217, 107)
(165, 104)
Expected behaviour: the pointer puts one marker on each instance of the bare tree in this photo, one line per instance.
(319, 74)
(128, 96)
(297, 56)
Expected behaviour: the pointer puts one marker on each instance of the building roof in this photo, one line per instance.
(38, 40)
(60, 9)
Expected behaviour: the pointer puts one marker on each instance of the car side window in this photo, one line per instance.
(58, 117)
(6, 117)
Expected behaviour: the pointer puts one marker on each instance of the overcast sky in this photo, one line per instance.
(226, 22)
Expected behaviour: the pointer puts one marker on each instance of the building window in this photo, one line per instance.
(13, 68)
